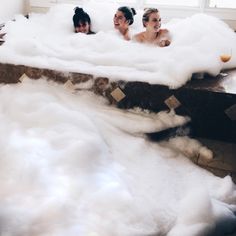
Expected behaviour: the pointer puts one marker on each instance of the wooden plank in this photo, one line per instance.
(208, 102)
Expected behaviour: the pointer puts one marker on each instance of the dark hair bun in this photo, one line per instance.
(79, 10)
(133, 11)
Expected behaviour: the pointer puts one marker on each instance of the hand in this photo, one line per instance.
(164, 43)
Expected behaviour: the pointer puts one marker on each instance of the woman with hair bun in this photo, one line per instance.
(82, 22)
(123, 18)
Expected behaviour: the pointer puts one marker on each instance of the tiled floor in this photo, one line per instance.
(224, 161)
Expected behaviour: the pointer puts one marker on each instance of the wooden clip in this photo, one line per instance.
(172, 102)
(69, 85)
(23, 77)
(117, 94)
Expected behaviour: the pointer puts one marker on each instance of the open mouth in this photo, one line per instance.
(116, 25)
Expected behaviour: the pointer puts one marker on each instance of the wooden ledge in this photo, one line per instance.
(209, 103)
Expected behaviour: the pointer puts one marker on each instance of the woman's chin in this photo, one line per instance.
(155, 31)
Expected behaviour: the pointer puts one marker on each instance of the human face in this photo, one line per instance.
(120, 21)
(82, 27)
(154, 22)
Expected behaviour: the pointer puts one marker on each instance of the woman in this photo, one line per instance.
(123, 18)
(82, 22)
(153, 34)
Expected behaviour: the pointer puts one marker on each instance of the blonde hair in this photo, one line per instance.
(147, 13)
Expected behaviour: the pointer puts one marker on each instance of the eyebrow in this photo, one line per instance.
(118, 16)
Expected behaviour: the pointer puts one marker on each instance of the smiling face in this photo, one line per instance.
(154, 22)
(120, 21)
(82, 27)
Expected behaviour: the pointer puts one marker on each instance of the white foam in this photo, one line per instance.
(70, 165)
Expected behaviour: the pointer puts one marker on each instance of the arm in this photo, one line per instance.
(165, 39)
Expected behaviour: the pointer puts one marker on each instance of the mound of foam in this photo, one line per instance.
(70, 165)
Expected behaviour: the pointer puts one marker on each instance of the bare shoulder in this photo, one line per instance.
(164, 31)
(139, 37)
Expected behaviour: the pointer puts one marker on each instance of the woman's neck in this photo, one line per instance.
(125, 33)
